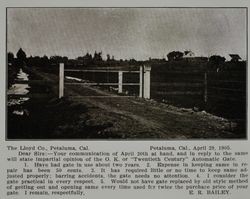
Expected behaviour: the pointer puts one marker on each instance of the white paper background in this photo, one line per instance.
(241, 145)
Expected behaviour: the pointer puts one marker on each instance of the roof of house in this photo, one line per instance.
(188, 52)
(234, 56)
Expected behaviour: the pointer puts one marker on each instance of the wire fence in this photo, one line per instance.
(222, 93)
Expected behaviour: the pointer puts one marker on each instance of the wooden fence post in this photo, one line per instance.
(141, 82)
(120, 80)
(61, 80)
(205, 87)
(146, 89)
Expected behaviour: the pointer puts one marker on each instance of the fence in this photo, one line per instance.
(226, 93)
(144, 79)
(221, 93)
(181, 88)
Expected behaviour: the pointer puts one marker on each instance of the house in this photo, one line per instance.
(235, 57)
(188, 54)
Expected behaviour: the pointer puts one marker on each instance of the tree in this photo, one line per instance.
(65, 59)
(44, 61)
(97, 56)
(10, 57)
(56, 59)
(174, 55)
(216, 59)
(108, 57)
(87, 59)
(21, 56)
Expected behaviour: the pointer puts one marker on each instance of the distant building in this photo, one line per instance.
(188, 54)
(235, 57)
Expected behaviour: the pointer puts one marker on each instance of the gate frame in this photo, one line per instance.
(144, 80)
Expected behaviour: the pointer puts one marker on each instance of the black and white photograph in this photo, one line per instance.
(131, 73)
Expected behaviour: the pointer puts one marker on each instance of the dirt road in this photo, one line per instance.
(139, 118)
(136, 118)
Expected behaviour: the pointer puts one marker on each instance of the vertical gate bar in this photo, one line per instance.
(61, 80)
(141, 82)
(146, 89)
(120, 81)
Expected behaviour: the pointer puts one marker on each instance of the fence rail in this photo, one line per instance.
(227, 89)
(227, 98)
(179, 93)
(177, 84)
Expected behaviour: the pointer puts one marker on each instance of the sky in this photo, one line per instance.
(127, 33)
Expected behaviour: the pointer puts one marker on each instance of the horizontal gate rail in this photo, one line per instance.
(101, 84)
(104, 96)
(105, 68)
(101, 71)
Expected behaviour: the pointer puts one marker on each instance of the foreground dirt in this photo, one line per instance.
(101, 114)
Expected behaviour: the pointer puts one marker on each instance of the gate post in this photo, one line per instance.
(146, 89)
(141, 82)
(120, 81)
(61, 80)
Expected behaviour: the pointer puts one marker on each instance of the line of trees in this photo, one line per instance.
(88, 59)
(20, 57)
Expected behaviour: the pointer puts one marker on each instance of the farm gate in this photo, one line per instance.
(113, 77)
